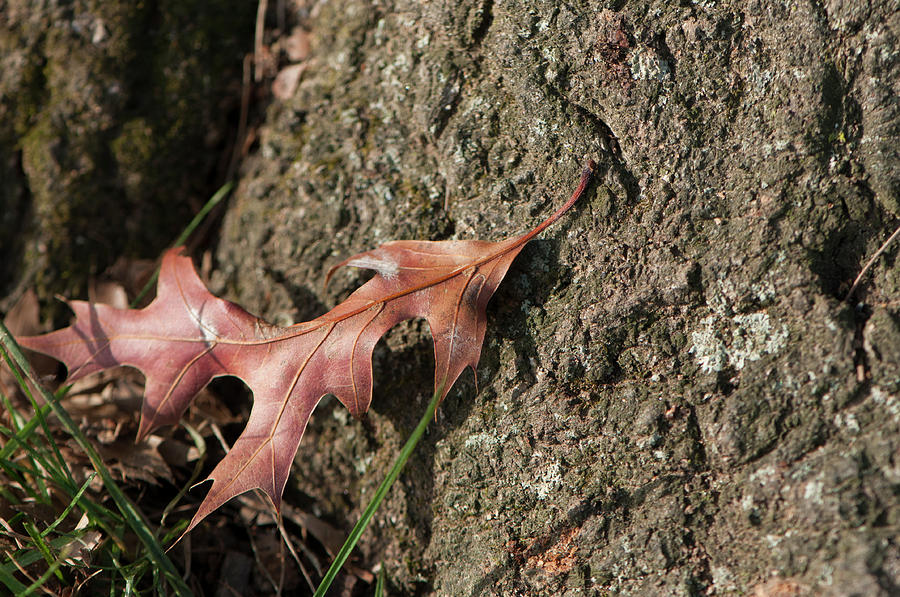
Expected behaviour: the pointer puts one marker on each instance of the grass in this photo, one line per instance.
(39, 474)
(87, 541)
(379, 496)
(56, 531)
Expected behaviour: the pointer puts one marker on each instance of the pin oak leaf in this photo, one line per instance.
(186, 337)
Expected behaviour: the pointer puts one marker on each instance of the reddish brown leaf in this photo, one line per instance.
(186, 337)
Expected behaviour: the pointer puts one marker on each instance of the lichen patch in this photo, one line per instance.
(722, 342)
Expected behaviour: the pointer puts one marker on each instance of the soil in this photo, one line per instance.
(676, 395)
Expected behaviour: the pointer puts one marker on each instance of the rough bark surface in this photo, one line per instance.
(675, 397)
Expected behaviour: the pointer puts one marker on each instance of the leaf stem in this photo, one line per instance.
(380, 493)
(586, 174)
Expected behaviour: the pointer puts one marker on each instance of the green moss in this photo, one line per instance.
(117, 115)
(28, 102)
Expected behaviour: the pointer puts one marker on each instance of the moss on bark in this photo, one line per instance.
(115, 115)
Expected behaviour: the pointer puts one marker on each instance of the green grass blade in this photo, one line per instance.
(192, 225)
(100, 514)
(26, 557)
(15, 587)
(37, 584)
(61, 470)
(198, 219)
(28, 428)
(55, 468)
(380, 494)
(24, 429)
(200, 444)
(42, 547)
(15, 418)
(129, 511)
(379, 582)
(22, 434)
(68, 508)
(7, 496)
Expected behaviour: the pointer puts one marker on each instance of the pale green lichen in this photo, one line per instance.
(723, 578)
(646, 64)
(733, 341)
(484, 440)
(886, 401)
(812, 491)
(547, 479)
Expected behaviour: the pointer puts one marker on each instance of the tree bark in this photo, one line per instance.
(675, 396)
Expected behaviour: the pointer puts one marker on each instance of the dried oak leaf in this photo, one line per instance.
(187, 336)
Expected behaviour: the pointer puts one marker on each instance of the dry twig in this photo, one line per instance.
(871, 261)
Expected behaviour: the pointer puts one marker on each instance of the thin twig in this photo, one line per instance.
(283, 572)
(259, 562)
(285, 538)
(258, 41)
(188, 558)
(218, 434)
(15, 563)
(871, 261)
(240, 139)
